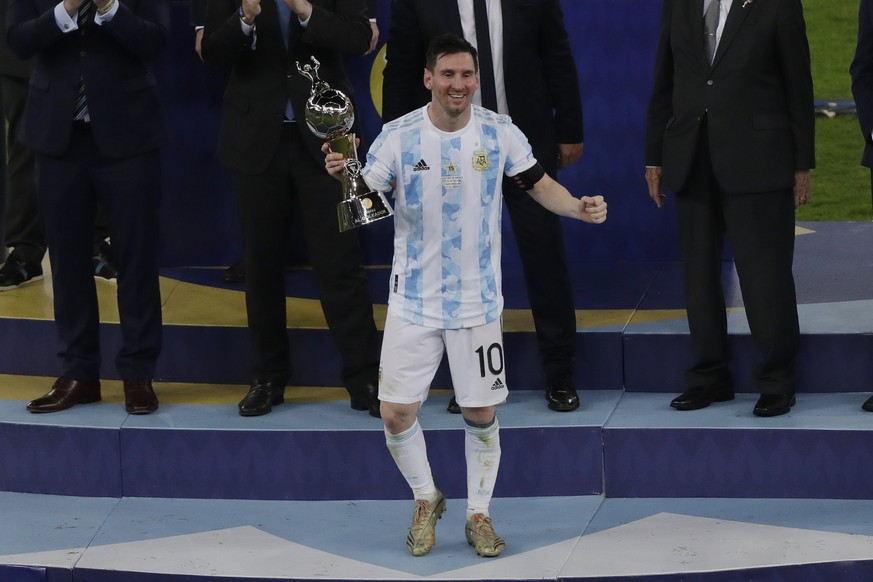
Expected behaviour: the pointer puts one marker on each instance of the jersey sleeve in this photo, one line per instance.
(519, 156)
(380, 170)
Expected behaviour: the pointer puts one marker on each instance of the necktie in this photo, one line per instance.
(86, 16)
(285, 15)
(284, 21)
(486, 63)
(710, 26)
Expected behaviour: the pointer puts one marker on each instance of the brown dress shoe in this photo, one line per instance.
(66, 393)
(139, 397)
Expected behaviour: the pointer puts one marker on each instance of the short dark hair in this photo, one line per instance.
(449, 44)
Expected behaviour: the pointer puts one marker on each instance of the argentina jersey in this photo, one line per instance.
(447, 214)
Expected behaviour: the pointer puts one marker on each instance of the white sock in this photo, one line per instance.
(482, 449)
(410, 454)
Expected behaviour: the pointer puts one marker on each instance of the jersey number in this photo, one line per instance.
(493, 357)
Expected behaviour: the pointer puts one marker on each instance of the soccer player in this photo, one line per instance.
(445, 163)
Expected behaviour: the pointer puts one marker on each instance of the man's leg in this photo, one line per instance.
(478, 373)
(22, 225)
(337, 260)
(540, 240)
(410, 357)
(482, 451)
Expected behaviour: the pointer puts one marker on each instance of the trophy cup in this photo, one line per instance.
(330, 115)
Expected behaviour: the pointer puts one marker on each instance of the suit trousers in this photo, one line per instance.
(297, 193)
(760, 228)
(69, 189)
(540, 239)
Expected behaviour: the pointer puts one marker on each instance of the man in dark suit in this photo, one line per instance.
(198, 17)
(278, 175)
(535, 82)
(731, 130)
(862, 89)
(22, 226)
(94, 120)
(235, 273)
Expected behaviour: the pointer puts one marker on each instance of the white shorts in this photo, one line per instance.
(412, 353)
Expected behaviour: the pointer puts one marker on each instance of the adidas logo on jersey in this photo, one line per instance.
(498, 385)
(420, 166)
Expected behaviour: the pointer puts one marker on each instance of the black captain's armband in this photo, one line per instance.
(529, 177)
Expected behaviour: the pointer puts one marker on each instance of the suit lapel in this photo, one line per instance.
(507, 9)
(454, 16)
(735, 20)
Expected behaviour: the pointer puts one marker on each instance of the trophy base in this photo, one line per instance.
(364, 209)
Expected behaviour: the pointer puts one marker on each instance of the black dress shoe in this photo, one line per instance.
(702, 396)
(453, 406)
(868, 405)
(139, 397)
(64, 394)
(561, 396)
(774, 404)
(368, 401)
(261, 398)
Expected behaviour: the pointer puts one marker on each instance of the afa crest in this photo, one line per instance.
(480, 160)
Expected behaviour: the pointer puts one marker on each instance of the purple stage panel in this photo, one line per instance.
(60, 460)
(857, 571)
(352, 464)
(738, 462)
(656, 362)
(30, 574)
(29, 347)
(842, 571)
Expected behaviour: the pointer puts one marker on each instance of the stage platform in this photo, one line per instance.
(624, 488)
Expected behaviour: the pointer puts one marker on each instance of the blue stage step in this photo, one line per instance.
(75, 539)
(618, 444)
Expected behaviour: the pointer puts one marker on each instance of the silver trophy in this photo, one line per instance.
(330, 115)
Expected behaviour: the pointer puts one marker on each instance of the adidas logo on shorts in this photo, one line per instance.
(498, 385)
(420, 166)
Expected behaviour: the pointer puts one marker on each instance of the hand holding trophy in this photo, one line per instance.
(330, 115)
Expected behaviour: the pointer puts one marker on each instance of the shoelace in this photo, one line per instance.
(421, 509)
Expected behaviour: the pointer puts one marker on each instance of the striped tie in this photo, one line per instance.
(86, 16)
(86, 12)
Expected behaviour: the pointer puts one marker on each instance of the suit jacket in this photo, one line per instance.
(126, 114)
(197, 12)
(262, 79)
(10, 64)
(756, 96)
(862, 78)
(542, 86)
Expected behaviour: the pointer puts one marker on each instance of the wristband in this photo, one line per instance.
(105, 9)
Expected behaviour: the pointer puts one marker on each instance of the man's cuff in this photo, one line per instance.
(99, 18)
(63, 20)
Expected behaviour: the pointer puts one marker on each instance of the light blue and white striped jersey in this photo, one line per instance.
(447, 211)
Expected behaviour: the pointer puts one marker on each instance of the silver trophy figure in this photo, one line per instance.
(330, 115)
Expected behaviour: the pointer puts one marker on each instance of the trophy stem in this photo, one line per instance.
(345, 145)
